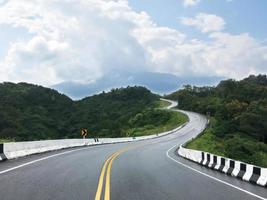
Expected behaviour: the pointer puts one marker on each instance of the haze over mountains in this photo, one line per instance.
(161, 83)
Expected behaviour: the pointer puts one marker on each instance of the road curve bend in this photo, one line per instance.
(143, 170)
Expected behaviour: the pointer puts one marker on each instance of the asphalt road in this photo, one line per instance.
(145, 170)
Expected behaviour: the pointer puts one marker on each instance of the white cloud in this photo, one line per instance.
(95, 34)
(73, 41)
(191, 2)
(205, 22)
(236, 55)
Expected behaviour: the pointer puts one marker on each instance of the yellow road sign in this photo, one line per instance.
(84, 132)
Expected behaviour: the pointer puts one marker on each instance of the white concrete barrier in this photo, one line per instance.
(190, 154)
(246, 172)
(263, 178)
(19, 149)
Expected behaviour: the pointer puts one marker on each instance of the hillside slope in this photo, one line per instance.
(30, 112)
(238, 111)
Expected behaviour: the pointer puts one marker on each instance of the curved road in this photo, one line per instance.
(145, 170)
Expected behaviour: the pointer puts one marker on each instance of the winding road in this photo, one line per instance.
(144, 170)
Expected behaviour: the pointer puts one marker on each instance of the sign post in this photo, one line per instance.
(84, 133)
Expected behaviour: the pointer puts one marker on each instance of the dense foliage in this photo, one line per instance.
(30, 112)
(154, 121)
(108, 114)
(239, 113)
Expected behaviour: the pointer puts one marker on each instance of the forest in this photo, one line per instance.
(238, 117)
(31, 112)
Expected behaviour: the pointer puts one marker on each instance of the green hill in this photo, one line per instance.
(238, 111)
(31, 112)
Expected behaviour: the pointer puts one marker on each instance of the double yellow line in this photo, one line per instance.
(106, 170)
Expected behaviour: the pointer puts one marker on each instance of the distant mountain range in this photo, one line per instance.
(161, 83)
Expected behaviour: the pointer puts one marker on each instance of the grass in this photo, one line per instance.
(207, 142)
(5, 141)
(235, 146)
(162, 104)
(176, 119)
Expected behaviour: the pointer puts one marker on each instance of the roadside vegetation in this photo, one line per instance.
(162, 104)
(154, 121)
(5, 141)
(237, 146)
(238, 111)
(31, 112)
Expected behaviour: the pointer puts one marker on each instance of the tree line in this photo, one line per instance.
(31, 112)
(238, 112)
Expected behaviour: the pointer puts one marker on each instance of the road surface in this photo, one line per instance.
(145, 170)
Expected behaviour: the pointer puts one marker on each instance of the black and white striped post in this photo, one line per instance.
(243, 171)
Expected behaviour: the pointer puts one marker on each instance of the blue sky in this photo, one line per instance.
(240, 15)
(53, 41)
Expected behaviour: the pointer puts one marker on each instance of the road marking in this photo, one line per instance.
(216, 179)
(40, 159)
(101, 178)
(107, 188)
(106, 169)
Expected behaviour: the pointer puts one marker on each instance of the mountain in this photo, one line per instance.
(161, 83)
(31, 112)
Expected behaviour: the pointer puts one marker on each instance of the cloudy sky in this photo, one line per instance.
(52, 41)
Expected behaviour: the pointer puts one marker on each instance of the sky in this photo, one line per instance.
(49, 42)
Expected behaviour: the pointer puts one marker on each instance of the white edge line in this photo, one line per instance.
(216, 179)
(40, 159)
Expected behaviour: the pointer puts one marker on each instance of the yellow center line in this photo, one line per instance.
(101, 178)
(108, 163)
(106, 170)
(107, 187)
